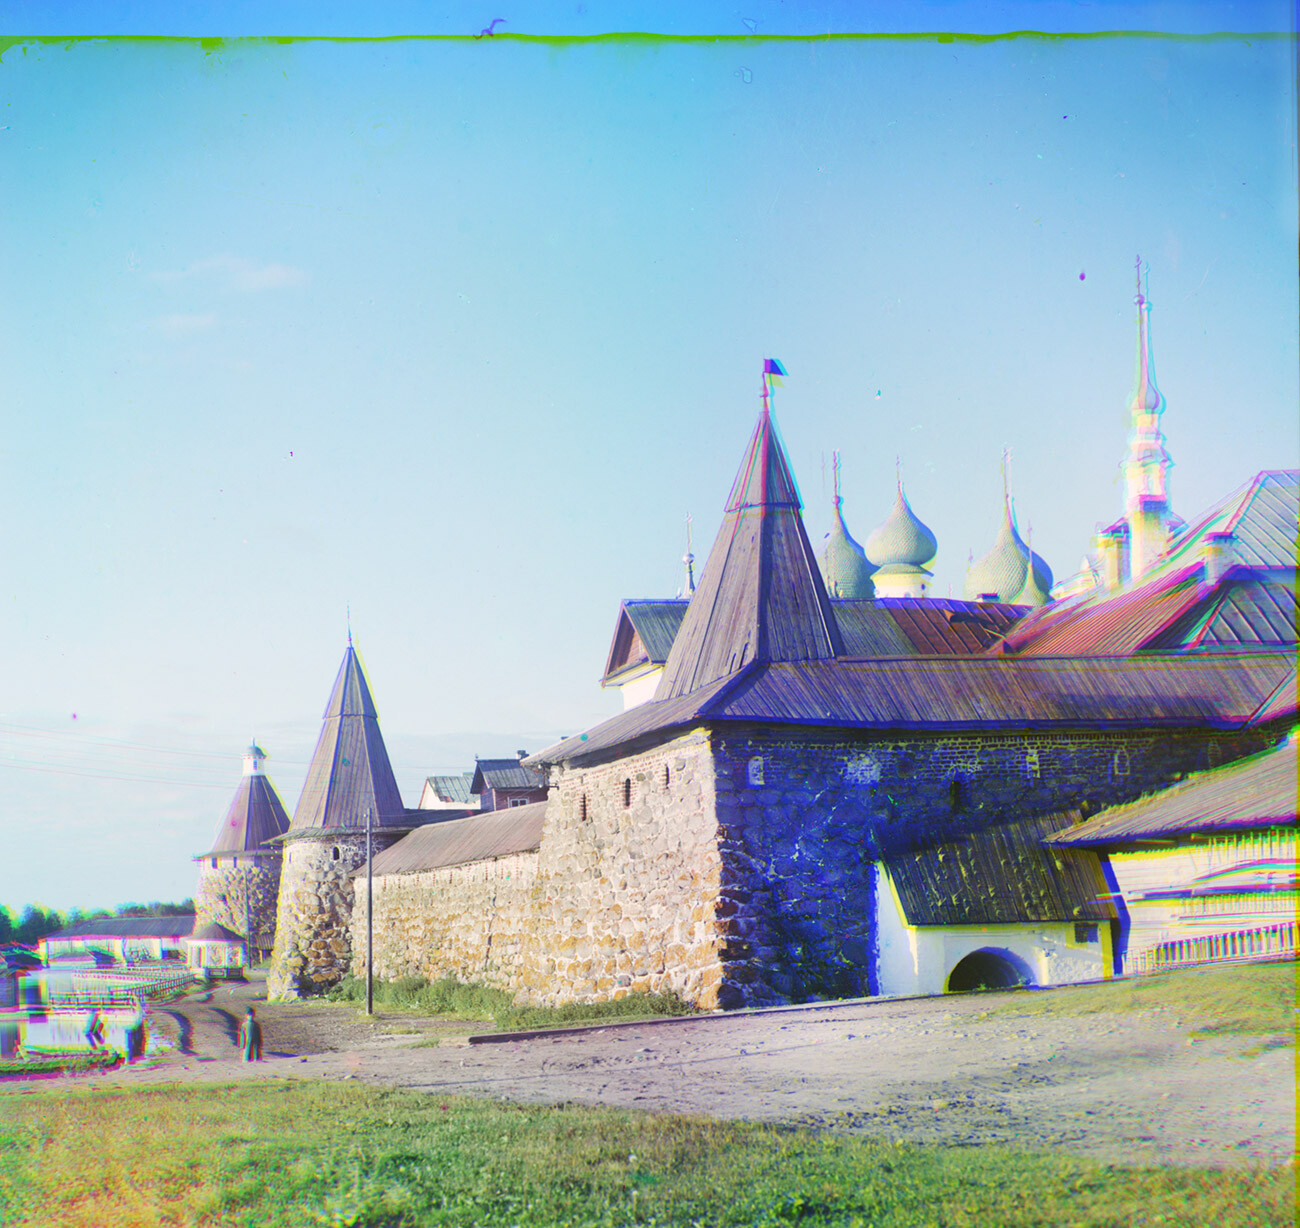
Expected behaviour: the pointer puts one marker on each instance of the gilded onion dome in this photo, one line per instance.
(902, 543)
(843, 564)
(1001, 574)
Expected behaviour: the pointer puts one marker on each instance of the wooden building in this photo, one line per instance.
(1204, 871)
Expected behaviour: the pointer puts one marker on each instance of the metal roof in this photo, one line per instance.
(656, 624)
(350, 772)
(453, 788)
(999, 875)
(940, 626)
(256, 815)
(1164, 611)
(761, 596)
(497, 833)
(959, 692)
(128, 927)
(1110, 624)
(504, 774)
(880, 627)
(1240, 613)
(1255, 792)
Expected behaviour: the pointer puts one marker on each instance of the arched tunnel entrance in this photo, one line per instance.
(989, 969)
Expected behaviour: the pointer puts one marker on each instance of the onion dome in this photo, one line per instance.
(1001, 574)
(843, 563)
(1032, 593)
(902, 543)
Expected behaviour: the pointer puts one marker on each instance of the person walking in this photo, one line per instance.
(250, 1037)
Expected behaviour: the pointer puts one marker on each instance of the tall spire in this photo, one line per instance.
(1147, 465)
(760, 597)
(349, 771)
(1147, 398)
(688, 588)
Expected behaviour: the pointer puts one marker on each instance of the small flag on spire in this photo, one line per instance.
(773, 370)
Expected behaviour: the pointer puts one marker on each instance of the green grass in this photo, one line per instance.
(454, 999)
(1254, 999)
(281, 1155)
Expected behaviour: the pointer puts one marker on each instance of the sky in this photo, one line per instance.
(452, 333)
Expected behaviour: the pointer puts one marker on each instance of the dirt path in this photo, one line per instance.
(1124, 1089)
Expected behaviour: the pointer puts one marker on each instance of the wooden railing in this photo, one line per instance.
(1267, 942)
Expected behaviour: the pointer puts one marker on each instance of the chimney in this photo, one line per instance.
(1112, 546)
(1220, 554)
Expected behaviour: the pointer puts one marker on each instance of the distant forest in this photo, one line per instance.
(35, 921)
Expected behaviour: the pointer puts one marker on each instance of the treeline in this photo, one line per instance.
(34, 922)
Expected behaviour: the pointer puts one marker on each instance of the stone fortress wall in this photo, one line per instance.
(471, 921)
(627, 880)
(728, 867)
(313, 926)
(240, 892)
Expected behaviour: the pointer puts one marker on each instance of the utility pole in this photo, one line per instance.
(370, 915)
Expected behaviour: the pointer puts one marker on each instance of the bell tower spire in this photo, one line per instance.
(1147, 465)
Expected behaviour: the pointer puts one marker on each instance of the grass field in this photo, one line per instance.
(1258, 999)
(452, 999)
(278, 1154)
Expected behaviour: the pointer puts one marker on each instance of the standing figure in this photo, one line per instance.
(94, 1029)
(250, 1037)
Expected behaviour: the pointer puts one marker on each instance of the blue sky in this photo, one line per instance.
(457, 331)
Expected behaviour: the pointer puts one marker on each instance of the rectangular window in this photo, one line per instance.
(518, 801)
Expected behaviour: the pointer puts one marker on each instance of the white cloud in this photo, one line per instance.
(238, 273)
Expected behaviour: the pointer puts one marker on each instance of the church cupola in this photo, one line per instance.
(1000, 575)
(901, 550)
(843, 562)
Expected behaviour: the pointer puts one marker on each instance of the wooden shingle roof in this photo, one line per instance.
(761, 597)
(256, 815)
(959, 693)
(350, 772)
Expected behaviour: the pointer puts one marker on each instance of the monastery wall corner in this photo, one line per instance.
(628, 880)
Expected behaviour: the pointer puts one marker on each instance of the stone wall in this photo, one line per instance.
(735, 867)
(803, 816)
(242, 894)
(469, 921)
(313, 926)
(627, 880)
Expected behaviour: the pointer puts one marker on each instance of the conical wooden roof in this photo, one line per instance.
(349, 772)
(761, 597)
(256, 815)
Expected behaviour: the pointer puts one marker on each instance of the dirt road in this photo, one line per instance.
(1125, 1089)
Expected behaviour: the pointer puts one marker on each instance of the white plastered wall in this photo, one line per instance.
(919, 959)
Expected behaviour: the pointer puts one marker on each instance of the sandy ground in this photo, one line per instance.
(1125, 1089)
